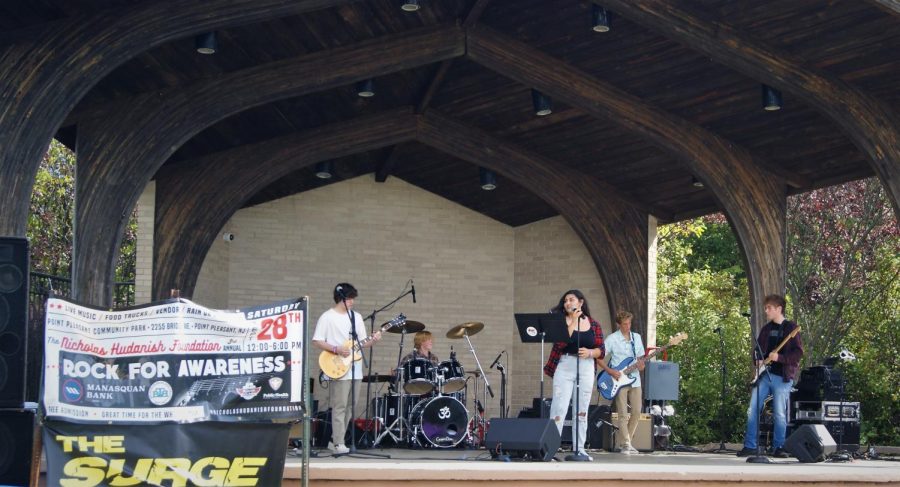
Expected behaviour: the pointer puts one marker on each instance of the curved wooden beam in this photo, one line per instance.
(47, 72)
(195, 200)
(872, 126)
(120, 153)
(890, 6)
(613, 231)
(754, 200)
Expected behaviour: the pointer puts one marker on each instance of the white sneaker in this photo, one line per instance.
(629, 450)
(585, 454)
(340, 449)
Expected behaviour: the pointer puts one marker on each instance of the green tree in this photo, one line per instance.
(50, 221)
(706, 304)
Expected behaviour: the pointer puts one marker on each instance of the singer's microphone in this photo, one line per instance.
(496, 360)
(414, 292)
(580, 317)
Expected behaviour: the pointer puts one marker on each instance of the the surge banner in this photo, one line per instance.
(196, 454)
(173, 361)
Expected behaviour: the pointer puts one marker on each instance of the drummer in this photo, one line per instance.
(422, 343)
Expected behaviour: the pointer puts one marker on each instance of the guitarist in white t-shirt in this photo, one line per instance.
(331, 335)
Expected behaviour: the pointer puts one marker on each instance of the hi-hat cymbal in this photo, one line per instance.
(410, 327)
(461, 330)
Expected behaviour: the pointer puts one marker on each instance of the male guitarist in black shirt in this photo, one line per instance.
(781, 348)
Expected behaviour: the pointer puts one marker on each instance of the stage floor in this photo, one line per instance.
(475, 467)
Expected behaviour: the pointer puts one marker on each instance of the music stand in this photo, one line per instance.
(540, 327)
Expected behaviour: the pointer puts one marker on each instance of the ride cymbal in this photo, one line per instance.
(464, 329)
(409, 327)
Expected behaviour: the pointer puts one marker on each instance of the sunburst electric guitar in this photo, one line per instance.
(335, 366)
(609, 387)
(765, 364)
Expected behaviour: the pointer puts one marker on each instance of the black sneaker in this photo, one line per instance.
(781, 453)
(746, 452)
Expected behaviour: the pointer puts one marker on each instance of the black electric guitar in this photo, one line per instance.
(335, 366)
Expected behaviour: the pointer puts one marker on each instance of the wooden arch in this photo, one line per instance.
(120, 153)
(47, 70)
(754, 200)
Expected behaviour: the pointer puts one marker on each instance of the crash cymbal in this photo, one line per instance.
(410, 327)
(378, 378)
(464, 329)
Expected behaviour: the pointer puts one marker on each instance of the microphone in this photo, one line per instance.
(340, 290)
(497, 360)
(580, 317)
(413, 291)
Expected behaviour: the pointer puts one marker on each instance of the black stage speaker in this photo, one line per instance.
(16, 439)
(661, 381)
(13, 319)
(534, 437)
(810, 443)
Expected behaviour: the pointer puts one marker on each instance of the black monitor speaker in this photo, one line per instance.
(536, 438)
(810, 443)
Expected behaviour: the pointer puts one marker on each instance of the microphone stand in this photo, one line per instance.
(759, 457)
(576, 455)
(354, 337)
(724, 368)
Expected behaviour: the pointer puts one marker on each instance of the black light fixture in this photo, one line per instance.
(599, 18)
(410, 5)
(771, 98)
(365, 88)
(696, 182)
(488, 179)
(324, 170)
(543, 105)
(206, 43)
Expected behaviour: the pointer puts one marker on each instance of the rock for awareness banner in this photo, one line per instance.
(173, 361)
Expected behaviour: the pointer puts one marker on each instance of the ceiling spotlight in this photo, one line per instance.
(543, 105)
(488, 179)
(365, 88)
(696, 182)
(205, 43)
(599, 18)
(410, 5)
(324, 170)
(771, 98)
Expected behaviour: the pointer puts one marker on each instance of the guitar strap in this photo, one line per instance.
(633, 351)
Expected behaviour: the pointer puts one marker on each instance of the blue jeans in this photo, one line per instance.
(781, 393)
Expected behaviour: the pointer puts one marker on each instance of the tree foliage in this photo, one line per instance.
(842, 287)
(51, 217)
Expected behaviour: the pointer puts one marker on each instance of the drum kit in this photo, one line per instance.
(426, 404)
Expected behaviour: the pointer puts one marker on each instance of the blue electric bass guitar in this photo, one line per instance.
(609, 387)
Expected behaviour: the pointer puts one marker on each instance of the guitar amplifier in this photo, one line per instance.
(642, 439)
(819, 383)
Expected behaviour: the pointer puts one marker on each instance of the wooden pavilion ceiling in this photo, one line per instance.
(855, 40)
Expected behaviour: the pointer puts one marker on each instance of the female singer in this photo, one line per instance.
(585, 345)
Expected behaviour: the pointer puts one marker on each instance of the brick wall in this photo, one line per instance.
(466, 267)
(143, 276)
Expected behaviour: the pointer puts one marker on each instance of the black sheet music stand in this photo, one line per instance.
(542, 327)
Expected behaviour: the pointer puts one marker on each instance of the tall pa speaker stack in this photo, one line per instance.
(536, 438)
(16, 423)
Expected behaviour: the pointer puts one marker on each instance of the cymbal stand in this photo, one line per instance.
(487, 385)
(401, 419)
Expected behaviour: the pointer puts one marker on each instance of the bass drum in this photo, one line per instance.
(441, 422)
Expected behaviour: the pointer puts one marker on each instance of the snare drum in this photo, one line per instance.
(418, 375)
(453, 374)
(441, 422)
